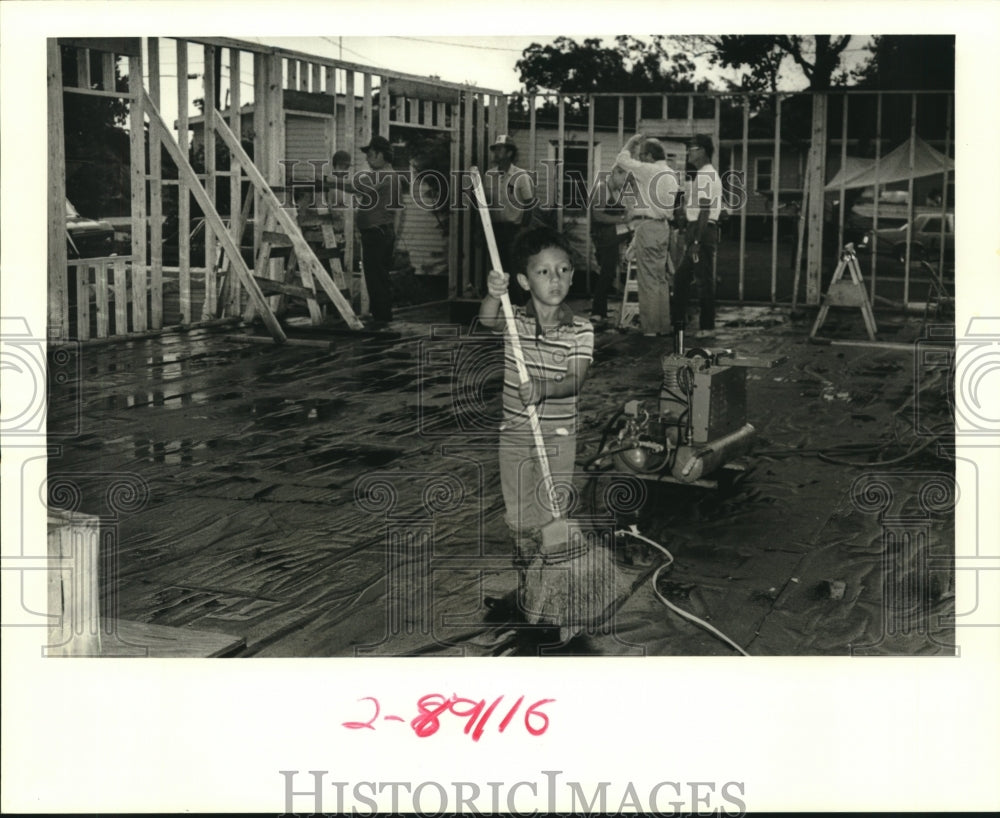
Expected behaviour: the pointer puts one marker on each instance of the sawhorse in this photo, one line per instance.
(844, 293)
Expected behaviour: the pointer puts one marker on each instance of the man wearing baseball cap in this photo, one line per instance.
(376, 208)
(703, 206)
(510, 193)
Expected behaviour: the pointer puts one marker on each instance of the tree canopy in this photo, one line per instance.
(629, 65)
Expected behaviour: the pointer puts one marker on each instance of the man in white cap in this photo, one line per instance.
(510, 192)
(656, 186)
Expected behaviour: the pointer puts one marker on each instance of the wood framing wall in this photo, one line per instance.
(798, 173)
(136, 292)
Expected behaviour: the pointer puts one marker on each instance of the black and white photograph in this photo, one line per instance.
(462, 373)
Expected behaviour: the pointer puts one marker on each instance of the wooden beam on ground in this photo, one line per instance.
(211, 215)
(288, 224)
(58, 298)
(167, 642)
(137, 156)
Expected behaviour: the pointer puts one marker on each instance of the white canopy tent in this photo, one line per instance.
(893, 167)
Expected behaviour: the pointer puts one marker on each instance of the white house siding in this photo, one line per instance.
(308, 138)
(422, 238)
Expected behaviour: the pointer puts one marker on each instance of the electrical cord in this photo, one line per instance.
(633, 531)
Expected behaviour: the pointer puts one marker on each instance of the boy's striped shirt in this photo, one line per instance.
(546, 357)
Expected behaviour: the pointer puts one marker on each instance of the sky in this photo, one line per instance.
(484, 61)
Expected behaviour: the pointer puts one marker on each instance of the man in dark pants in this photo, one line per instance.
(608, 231)
(376, 224)
(376, 200)
(510, 192)
(703, 206)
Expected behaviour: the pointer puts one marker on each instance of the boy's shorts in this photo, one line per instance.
(524, 494)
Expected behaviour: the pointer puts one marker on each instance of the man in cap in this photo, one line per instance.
(377, 203)
(649, 203)
(510, 193)
(703, 206)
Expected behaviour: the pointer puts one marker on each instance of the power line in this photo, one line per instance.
(351, 51)
(461, 45)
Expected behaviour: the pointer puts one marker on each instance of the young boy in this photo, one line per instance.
(558, 347)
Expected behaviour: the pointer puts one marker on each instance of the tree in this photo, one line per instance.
(817, 56)
(909, 62)
(97, 144)
(631, 65)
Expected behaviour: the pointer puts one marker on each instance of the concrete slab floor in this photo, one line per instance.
(346, 501)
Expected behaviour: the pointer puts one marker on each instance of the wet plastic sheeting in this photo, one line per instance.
(343, 502)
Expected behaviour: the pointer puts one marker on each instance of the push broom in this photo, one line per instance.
(573, 582)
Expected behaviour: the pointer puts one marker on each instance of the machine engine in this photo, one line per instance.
(699, 425)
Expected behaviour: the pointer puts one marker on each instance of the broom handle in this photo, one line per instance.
(515, 342)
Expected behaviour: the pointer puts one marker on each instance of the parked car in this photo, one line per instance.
(88, 238)
(925, 238)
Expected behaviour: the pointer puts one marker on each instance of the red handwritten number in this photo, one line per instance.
(358, 725)
(534, 711)
(472, 712)
(482, 722)
(427, 723)
(510, 715)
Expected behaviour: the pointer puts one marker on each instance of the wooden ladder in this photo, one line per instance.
(630, 308)
(278, 263)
